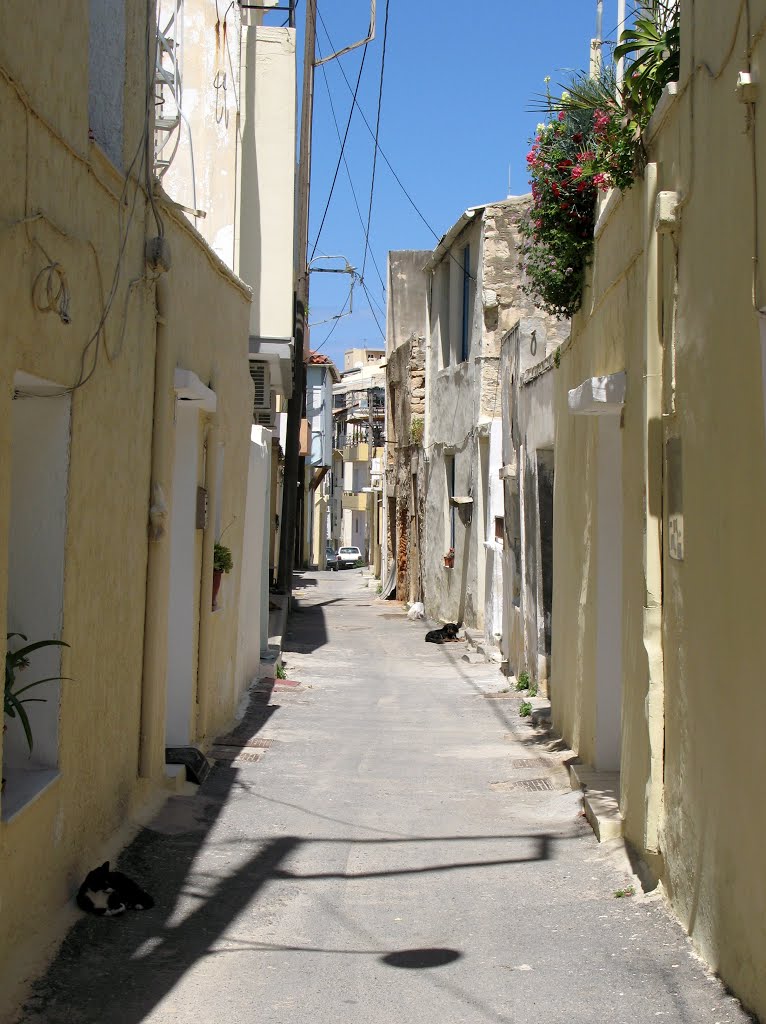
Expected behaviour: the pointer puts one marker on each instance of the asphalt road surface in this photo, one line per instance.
(386, 842)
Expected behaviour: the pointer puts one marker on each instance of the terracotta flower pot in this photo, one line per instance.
(217, 577)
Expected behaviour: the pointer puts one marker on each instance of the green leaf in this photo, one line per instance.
(24, 652)
(19, 709)
(27, 727)
(50, 679)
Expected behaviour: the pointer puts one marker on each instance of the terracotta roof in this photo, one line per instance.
(317, 357)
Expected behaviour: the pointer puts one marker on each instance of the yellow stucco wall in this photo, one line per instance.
(60, 198)
(693, 757)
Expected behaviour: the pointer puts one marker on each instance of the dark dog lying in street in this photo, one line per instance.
(446, 635)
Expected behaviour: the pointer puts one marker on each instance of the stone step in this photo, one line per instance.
(473, 658)
(601, 799)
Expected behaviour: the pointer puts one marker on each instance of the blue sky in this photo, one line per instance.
(458, 82)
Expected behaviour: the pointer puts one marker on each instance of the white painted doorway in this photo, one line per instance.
(183, 612)
(603, 398)
(609, 595)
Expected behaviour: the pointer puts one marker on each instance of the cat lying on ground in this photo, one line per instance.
(447, 634)
(108, 893)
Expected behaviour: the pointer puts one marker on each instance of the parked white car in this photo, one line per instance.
(347, 556)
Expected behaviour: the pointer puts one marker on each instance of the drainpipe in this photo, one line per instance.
(153, 692)
(206, 581)
(652, 554)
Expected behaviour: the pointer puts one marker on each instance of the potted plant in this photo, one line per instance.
(222, 562)
(15, 662)
(449, 559)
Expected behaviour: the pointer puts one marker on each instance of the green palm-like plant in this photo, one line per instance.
(17, 661)
(652, 52)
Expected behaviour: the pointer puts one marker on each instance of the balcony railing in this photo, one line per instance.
(288, 8)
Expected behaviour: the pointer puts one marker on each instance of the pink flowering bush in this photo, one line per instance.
(593, 142)
(588, 146)
(558, 232)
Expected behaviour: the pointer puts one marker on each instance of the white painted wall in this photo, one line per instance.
(319, 413)
(493, 549)
(236, 157)
(609, 595)
(253, 605)
(204, 172)
(268, 178)
(184, 580)
(40, 435)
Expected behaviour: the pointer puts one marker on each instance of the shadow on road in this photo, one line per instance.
(307, 626)
(119, 969)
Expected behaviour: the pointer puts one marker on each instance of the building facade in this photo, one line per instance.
(126, 432)
(357, 486)
(527, 367)
(475, 298)
(321, 375)
(660, 485)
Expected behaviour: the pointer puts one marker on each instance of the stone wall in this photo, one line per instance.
(405, 405)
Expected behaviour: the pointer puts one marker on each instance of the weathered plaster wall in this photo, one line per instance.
(236, 154)
(465, 400)
(204, 172)
(204, 306)
(713, 623)
(607, 341)
(60, 202)
(405, 411)
(692, 628)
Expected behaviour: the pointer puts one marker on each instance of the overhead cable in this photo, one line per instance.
(348, 171)
(375, 148)
(341, 154)
(388, 163)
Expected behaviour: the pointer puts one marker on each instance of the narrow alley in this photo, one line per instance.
(384, 841)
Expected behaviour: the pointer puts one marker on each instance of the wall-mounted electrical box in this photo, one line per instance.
(201, 514)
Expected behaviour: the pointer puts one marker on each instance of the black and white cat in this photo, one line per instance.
(108, 893)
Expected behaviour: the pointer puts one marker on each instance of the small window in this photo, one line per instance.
(443, 304)
(449, 465)
(39, 455)
(465, 337)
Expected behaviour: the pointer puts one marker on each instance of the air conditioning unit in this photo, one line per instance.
(259, 371)
(266, 417)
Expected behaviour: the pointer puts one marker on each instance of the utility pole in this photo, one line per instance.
(295, 404)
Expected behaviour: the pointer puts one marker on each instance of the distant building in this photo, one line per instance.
(357, 490)
(356, 358)
(321, 376)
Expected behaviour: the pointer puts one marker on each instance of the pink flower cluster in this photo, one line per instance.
(601, 122)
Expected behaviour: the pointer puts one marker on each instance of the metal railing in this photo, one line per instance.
(289, 8)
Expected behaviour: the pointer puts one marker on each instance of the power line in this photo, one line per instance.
(332, 329)
(348, 170)
(377, 133)
(342, 151)
(372, 133)
(369, 303)
(380, 308)
(398, 180)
